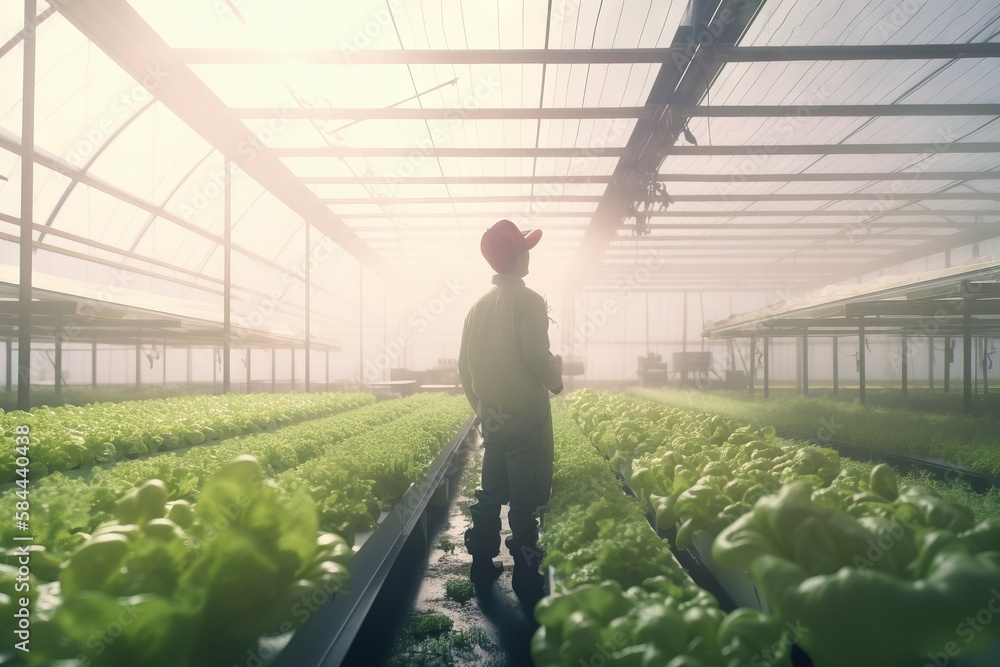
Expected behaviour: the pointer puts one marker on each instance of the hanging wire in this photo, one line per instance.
(413, 82)
(541, 100)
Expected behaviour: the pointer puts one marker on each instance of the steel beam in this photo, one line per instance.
(543, 199)
(728, 178)
(978, 329)
(929, 309)
(448, 151)
(797, 232)
(40, 307)
(613, 151)
(453, 180)
(572, 113)
(428, 113)
(872, 322)
(858, 228)
(852, 230)
(27, 154)
(539, 199)
(723, 52)
(839, 110)
(837, 149)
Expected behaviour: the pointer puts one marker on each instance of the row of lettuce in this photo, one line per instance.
(858, 568)
(967, 441)
(78, 437)
(191, 558)
(620, 597)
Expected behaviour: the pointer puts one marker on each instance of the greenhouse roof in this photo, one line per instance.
(928, 304)
(726, 145)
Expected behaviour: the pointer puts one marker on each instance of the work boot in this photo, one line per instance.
(528, 583)
(529, 587)
(484, 570)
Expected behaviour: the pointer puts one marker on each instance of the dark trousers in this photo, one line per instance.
(517, 469)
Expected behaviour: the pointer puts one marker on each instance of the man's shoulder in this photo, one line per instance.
(489, 296)
(530, 295)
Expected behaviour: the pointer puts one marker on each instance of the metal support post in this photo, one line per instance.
(905, 370)
(967, 361)
(861, 359)
(227, 275)
(836, 366)
(767, 366)
(805, 365)
(57, 387)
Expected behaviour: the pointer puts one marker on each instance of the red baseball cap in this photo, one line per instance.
(503, 242)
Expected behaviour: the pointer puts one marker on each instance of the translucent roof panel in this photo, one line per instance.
(413, 24)
(809, 83)
(82, 98)
(264, 225)
(50, 186)
(618, 24)
(11, 66)
(161, 150)
(806, 22)
(197, 197)
(96, 215)
(291, 84)
(909, 162)
(456, 24)
(163, 240)
(191, 23)
(587, 133)
(575, 85)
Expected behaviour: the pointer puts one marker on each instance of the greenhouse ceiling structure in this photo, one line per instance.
(261, 165)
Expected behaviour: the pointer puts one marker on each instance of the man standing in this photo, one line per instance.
(507, 372)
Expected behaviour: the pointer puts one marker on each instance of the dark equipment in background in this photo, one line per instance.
(652, 370)
(698, 363)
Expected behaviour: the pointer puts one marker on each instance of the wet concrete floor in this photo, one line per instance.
(405, 627)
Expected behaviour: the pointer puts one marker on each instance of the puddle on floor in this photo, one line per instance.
(414, 623)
